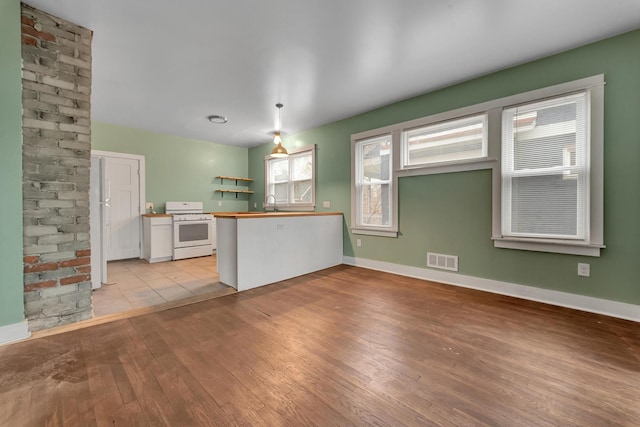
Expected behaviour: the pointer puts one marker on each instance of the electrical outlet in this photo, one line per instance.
(255, 205)
(358, 242)
(584, 269)
(148, 206)
(219, 202)
(326, 204)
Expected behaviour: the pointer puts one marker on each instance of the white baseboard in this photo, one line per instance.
(563, 299)
(14, 332)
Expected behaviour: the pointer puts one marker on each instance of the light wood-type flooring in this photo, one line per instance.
(344, 346)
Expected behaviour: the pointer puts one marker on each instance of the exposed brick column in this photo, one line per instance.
(56, 89)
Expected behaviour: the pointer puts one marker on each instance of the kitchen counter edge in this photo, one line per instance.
(244, 215)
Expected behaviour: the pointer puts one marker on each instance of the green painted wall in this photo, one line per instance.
(451, 213)
(178, 169)
(11, 285)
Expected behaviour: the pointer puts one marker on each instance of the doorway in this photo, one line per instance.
(116, 199)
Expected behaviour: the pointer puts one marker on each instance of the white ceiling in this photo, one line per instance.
(166, 65)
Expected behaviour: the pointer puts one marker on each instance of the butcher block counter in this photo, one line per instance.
(257, 214)
(259, 248)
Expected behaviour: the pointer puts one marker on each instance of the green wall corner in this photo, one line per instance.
(11, 281)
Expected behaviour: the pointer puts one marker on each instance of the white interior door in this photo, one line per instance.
(122, 182)
(98, 232)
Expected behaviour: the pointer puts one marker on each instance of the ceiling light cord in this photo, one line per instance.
(279, 107)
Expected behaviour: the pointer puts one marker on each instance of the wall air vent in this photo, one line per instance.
(443, 262)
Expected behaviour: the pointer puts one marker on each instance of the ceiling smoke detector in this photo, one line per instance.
(217, 119)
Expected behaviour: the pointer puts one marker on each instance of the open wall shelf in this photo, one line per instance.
(233, 178)
(235, 191)
(245, 181)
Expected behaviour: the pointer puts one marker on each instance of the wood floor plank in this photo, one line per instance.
(344, 346)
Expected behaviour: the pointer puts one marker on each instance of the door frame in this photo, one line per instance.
(97, 223)
(141, 203)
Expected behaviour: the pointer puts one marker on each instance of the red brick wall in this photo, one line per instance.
(56, 90)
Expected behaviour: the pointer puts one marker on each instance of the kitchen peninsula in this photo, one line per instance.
(259, 248)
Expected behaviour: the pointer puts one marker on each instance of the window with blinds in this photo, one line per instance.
(545, 169)
(545, 150)
(449, 141)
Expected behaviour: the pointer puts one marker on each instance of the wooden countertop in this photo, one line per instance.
(156, 215)
(241, 215)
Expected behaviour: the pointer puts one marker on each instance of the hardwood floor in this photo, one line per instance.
(344, 346)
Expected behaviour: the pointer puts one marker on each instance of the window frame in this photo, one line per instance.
(291, 206)
(593, 240)
(357, 227)
(509, 173)
(493, 111)
(430, 122)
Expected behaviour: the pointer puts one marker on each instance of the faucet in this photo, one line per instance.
(266, 202)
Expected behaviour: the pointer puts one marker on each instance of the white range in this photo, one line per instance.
(193, 230)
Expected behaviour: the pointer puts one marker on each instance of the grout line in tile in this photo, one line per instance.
(130, 282)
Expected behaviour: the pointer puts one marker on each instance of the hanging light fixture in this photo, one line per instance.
(278, 150)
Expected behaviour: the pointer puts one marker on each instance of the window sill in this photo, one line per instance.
(291, 208)
(558, 247)
(370, 232)
(448, 167)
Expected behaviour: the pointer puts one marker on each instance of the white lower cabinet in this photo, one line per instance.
(158, 238)
(257, 251)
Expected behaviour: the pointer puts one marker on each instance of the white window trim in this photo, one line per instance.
(493, 110)
(431, 121)
(383, 231)
(581, 98)
(595, 240)
(297, 207)
(477, 163)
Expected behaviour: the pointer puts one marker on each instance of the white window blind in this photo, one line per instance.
(450, 141)
(545, 169)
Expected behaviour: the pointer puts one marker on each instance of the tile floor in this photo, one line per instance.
(134, 283)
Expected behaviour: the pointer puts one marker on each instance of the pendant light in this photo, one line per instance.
(278, 150)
